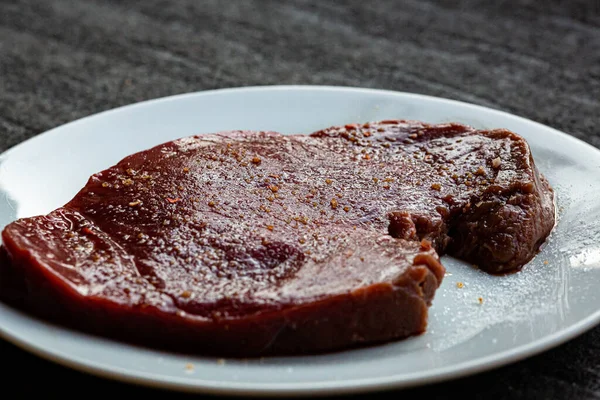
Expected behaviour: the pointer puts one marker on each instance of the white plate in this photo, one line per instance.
(553, 299)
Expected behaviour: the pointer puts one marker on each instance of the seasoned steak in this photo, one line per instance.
(250, 243)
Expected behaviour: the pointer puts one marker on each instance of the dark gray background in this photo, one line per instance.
(62, 60)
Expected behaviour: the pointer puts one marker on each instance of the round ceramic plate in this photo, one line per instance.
(554, 298)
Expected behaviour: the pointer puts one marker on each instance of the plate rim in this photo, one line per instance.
(354, 386)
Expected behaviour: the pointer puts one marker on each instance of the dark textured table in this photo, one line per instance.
(62, 60)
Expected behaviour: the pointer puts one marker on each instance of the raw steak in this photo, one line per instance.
(251, 243)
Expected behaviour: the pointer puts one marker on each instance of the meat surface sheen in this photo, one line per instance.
(250, 243)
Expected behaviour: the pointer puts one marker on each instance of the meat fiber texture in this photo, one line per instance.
(247, 243)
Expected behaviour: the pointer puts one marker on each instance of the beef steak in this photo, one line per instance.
(249, 243)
